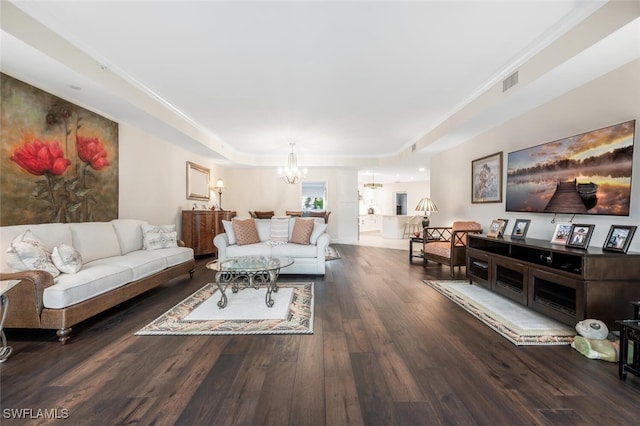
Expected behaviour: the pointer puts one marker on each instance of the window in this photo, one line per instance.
(313, 196)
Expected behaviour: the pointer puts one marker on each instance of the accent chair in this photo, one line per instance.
(448, 245)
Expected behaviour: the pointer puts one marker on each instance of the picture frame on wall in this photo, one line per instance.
(486, 179)
(619, 238)
(561, 233)
(520, 228)
(579, 235)
(496, 229)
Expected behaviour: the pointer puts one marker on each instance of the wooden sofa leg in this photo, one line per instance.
(191, 273)
(63, 335)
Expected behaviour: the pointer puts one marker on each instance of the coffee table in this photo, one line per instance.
(249, 271)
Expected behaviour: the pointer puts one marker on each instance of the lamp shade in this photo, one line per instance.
(219, 185)
(426, 205)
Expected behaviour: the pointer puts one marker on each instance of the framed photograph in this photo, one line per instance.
(486, 179)
(561, 234)
(520, 228)
(496, 229)
(579, 236)
(619, 238)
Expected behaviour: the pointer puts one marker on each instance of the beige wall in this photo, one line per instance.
(153, 177)
(611, 99)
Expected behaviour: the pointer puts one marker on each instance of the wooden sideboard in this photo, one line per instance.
(565, 283)
(199, 227)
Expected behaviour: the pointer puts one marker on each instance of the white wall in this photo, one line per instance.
(153, 177)
(611, 99)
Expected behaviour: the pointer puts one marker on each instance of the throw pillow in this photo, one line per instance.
(157, 237)
(318, 229)
(279, 230)
(246, 231)
(34, 256)
(228, 229)
(67, 259)
(160, 240)
(13, 259)
(302, 229)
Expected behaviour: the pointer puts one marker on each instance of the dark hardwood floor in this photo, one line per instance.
(386, 350)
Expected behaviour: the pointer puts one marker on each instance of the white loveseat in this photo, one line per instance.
(308, 259)
(114, 267)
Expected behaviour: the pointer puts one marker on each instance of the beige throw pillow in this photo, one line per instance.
(302, 229)
(67, 259)
(159, 237)
(279, 230)
(246, 231)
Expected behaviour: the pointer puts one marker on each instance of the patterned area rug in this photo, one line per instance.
(518, 324)
(249, 316)
(331, 253)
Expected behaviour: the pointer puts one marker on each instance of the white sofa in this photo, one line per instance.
(308, 259)
(114, 267)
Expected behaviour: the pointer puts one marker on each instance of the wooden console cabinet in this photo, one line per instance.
(199, 227)
(564, 283)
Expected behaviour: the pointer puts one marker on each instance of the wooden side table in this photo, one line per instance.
(629, 332)
(412, 241)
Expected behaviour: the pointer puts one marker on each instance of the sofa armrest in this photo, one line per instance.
(26, 299)
(221, 241)
(323, 243)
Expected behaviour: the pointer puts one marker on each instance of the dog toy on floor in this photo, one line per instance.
(592, 341)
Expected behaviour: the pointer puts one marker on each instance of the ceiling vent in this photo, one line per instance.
(510, 81)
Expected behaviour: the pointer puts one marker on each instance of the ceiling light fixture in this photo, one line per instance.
(292, 174)
(373, 184)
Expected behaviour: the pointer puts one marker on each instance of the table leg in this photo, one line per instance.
(271, 287)
(5, 350)
(223, 297)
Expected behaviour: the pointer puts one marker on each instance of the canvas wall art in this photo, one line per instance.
(589, 173)
(59, 161)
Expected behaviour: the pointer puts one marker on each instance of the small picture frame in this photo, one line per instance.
(561, 234)
(579, 235)
(619, 238)
(520, 228)
(496, 229)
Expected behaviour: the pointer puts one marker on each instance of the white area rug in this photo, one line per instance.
(245, 313)
(246, 304)
(517, 323)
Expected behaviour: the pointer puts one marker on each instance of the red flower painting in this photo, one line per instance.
(59, 161)
(91, 151)
(38, 158)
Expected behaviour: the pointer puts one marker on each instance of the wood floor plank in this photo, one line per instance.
(387, 349)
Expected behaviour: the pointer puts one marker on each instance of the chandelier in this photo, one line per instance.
(292, 174)
(372, 184)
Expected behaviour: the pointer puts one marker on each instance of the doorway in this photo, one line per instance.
(401, 203)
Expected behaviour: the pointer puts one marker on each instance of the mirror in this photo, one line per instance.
(197, 182)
